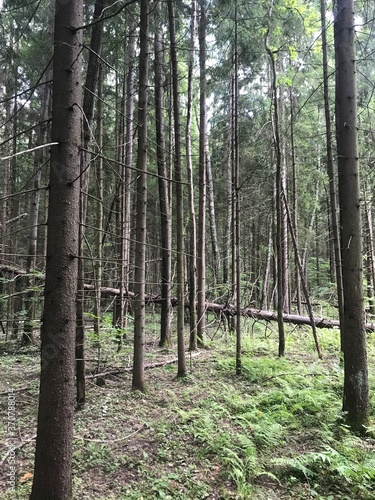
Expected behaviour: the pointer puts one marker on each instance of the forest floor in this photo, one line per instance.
(275, 432)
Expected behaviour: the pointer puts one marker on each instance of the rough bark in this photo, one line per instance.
(138, 380)
(303, 282)
(370, 258)
(236, 204)
(88, 114)
(295, 201)
(181, 371)
(212, 216)
(98, 267)
(356, 390)
(330, 170)
(127, 171)
(53, 456)
(190, 178)
(201, 235)
(280, 234)
(163, 184)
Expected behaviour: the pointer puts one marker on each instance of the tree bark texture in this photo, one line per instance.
(181, 371)
(138, 382)
(356, 397)
(201, 235)
(190, 178)
(164, 202)
(280, 234)
(330, 170)
(53, 468)
(88, 114)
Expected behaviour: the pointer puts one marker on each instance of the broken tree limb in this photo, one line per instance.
(129, 369)
(247, 312)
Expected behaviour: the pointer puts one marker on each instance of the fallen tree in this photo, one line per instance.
(229, 310)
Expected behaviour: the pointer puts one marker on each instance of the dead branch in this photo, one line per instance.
(129, 369)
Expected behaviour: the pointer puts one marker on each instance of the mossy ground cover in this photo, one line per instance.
(276, 431)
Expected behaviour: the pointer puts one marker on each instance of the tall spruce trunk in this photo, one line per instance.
(163, 183)
(138, 380)
(279, 206)
(356, 390)
(98, 266)
(212, 216)
(127, 173)
(370, 257)
(193, 344)
(331, 173)
(295, 202)
(201, 254)
(236, 205)
(181, 371)
(88, 112)
(53, 455)
(228, 186)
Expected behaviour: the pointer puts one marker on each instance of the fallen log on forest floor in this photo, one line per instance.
(229, 310)
(295, 319)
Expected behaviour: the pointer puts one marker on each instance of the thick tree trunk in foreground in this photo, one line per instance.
(53, 456)
(356, 390)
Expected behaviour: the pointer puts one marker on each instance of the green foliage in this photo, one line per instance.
(348, 468)
(109, 335)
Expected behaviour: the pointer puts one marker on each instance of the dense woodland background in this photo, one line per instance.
(207, 170)
(294, 35)
(292, 32)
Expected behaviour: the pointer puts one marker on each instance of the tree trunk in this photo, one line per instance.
(295, 201)
(370, 258)
(228, 186)
(330, 172)
(212, 214)
(127, 176)
(279, 208)
(236, 205)
(189, 169)
(201, 258)
(181, 371)
(98, 266)
(30, 300)
(303, 282)
(356, 390)
(53, 456)
(265, 302)
(88, 113)
(165, 215)
(138, 381)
